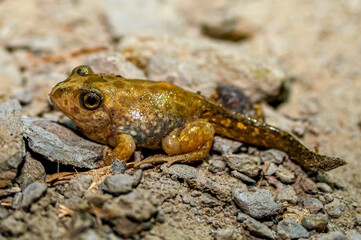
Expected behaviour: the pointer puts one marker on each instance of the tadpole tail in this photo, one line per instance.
(248, 130)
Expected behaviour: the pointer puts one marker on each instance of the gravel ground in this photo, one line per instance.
(299, 60)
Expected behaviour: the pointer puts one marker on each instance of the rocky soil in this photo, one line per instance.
(299, 60)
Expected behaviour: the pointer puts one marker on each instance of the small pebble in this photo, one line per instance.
(225, 146)
(241, 217)
(137, 177)
(324, 187)
(285, 175)
(312, 204)
(180, 171)
(118, 167)
(12, 226)
(258, 204)
(288, 194)
(316, 222)
(358, 219)
(242, 177)
(258, 229)
(118, 184)
(273, 155)
(217, 166)
(33, 192)
(77, 186)
(309, 186)
(288, 228)
(244, 163)
(272, 168)
(335, 208)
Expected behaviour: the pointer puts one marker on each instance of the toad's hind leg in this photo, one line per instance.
(188, 144)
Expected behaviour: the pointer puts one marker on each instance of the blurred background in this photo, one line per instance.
(302, 57)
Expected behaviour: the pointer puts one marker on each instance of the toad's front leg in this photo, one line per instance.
(187, 144)
(124, 148)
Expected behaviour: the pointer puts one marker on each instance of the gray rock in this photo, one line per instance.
(244, 163)
(217, 166)
(60, 144)
(12, 226)
(224, 234)
(10, 75)
(258, 229)
(312, 204)
(32, 171)
(118, 184)
(12, 149)
(241, 217)
(180, 171)
(272, 168)
(78, 185)
(358, 219)
(225, 146)
(208, 200)
(118, 167)
(289, 228)
(287, 194)
(335, 208)
(33, 192)
(242, 177)
(324, 187)
(137, 177)
(285, 175)
(272, 155)
(258, 204)
(316, 222)
(309, 186)
(333, 236)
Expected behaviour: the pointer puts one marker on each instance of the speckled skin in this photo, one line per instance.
(140, 113)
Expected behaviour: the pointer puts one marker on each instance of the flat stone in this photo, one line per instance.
(324, 187)
(287, 194)
(272, 155)
(258, 204)
(353, 235)
(258, 229)
(288, 228)
(78, 185)
(312, 204)
(285, 175)
(241, 217)
(316, 222)
(60, 144)
(180, 171)
(118, 184)
(335, 208)
(244, 163)
(12, 149)
(244, 178)
(33, 192)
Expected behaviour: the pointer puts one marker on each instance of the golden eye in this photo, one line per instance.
(91, 99)
(82, 70)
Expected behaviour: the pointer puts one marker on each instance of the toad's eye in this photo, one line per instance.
(91, 99)
(82, 70)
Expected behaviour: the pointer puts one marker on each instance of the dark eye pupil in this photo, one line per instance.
(78, 71)
(91, 100)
